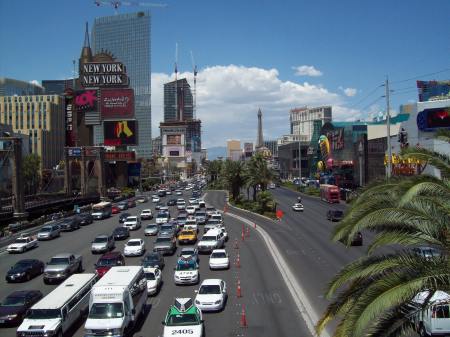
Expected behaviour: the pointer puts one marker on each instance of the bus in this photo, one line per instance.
(102, 210)
(329, 193)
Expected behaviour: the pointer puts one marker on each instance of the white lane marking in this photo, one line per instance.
(305, 308)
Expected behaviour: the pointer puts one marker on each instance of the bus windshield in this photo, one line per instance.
(106, 310)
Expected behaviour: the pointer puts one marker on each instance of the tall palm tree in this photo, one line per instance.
(378, 288)
(233, 177)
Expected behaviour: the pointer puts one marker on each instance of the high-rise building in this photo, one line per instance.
(302, 120)
(127, 38)
(234, 151)
(56, 87)
(184, 101)
(42, 118)
(11, 87)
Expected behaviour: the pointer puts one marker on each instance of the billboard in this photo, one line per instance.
(173, 139)
(117, 103)
(86, 100)
(336, 139)
(103, 74)
(69, 114)
(433, 119)
(433, 90)
(122, 132)
(120, 155)
(174, 151)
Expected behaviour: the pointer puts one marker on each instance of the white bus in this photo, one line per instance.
(102, 210)
(54, 314)
(117, 302)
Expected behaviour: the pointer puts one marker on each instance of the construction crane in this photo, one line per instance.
(116, 4)
(194, 67)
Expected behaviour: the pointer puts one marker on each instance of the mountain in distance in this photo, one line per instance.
(217, 151)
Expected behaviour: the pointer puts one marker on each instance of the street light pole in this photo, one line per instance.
(299, 162)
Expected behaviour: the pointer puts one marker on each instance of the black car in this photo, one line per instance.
(25, 270)
(158, 205)
(15, 306)
(70, 224)
(172, 202)
(153, 260)
(85, 218)
(161, 194)
(121, 233)
(335, 215)
(123, 217)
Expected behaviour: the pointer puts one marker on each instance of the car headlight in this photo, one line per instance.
(114, 332)
(20, 274)
(217, 302)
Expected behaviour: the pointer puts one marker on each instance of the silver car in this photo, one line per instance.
(102, 243)
(151, 229)
(49, 232)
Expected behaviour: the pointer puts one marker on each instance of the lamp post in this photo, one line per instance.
(360, 157)
(299, 162)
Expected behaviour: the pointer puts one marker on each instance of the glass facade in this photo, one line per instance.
(127, 38)
(184, 101)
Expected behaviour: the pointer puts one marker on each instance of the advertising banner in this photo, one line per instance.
(117, 103)
(70, 121)
(86, 100)
(120, 132)
(173, 139)
(174, 151)
(103, 74)
(336, 138)
(120, 155)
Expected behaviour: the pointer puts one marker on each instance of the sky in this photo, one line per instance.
(268, 54)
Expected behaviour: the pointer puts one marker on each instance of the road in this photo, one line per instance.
(270, 310)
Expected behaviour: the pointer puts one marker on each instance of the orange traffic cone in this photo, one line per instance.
(247, 232)
(238, 261)
(243, 321)
(243, 235)
(239, 291)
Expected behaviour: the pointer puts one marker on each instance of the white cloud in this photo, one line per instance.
(228, 98)
(307, 71)
(35, 82)
(350, 92)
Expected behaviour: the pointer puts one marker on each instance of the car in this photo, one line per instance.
(297, 207)
(192, 201)
(102, 243)
(142, 199)
(191, 209)
(15, 306)
(61, 266)
(172, 202)
(211, 240)
(427, 252)
(134, 247)
(181, 205)
(162, 217)
(189, 252)
(161, 193)
(123, 217)
(212, 295)
(165, 245)
(211, 224)
(167, 229)
(178, 192)
(335, 215)
(271, 186)
(191, 223)
(86, 218)
(168, 192)
(131, 203)
(132, 222)
(154, 280)
(50, 231)
(155, 198)
(70, 224)
(151, 229)
(187, 236)
(217, 216)
(115, 209)
(121, 233)
(181, 220)
(123, 205)
(25, 270)
(186, 271)
(107, 261)
(183, 316)
(201, 217)
(153, 259)
(23, 243)
(146, 214)
(210, 211)
(219, 259)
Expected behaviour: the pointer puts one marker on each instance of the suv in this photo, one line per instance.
(162, 217)
(335, 215)
(146, 214)
(132, 223)
(108, 260)
(211, 240)
(70, 224)
(165, 245)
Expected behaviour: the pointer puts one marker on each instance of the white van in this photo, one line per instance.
(434, 320)
(117, 301)
(59, 310)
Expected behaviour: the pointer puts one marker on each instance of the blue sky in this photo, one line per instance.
(249, 52)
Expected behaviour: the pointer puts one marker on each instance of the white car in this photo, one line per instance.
(178, 192)
(162, 217)
(146, 214)
(155, 198)
(298, 207)
(132, 223)
(219, 259)
(134, 247)
(183, 319)
(192, 201)
(22, 244)
(186, 271)
(153, 276)
(212, 295)
(191, 209)
(191, 223)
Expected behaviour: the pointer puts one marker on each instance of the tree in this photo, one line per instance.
(258, 173)
(266, 202)
(31, 167)
(378, 288)
(233, 177)
(213, 169)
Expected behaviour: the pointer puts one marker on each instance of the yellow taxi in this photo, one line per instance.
(187, 236)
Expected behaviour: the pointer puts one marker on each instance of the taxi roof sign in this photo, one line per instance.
(183, 304)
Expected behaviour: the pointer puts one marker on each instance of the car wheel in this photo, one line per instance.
(422, 331)
(28, 277)
(80, 268)
(41, 271)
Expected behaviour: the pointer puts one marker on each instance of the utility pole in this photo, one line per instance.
(388, 126)
(299, 161)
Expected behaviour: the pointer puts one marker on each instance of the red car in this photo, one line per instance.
(108, 260)
(115, 210)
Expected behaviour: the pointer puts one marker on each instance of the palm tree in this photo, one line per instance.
(233, 176)
(213, 169)
(258, 173)
(379, 288)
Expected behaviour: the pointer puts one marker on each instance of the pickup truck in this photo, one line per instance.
(22, 244)
(61, 266)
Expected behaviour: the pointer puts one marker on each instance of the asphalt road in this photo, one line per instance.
(270, 310)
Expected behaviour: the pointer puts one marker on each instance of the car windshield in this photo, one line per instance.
(101, 240)
(152, 226)
(133, 243)
(21, 240)
(14, 301)
(213, 222)
(200, 214)
(45, 229)
(208, 238)
(44, 313)
(149, 276)
(131, 218)
(162, 215)
(209, 289)
(106, 310)
(106, 262)
(186, 266)
(186, 319)
(181, 218)
(187, 252)
(219, 255)
(163, 239)
(59, 260)
(120, 230)
(25, 263)
(187, 233)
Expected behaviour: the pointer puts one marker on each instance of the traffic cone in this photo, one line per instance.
(238, 261)
(247, 232)
(236, 245)
(243, 234)
(243, 321)
(254, 225)
(238, 291)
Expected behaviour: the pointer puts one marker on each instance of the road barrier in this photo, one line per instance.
(239, 290)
